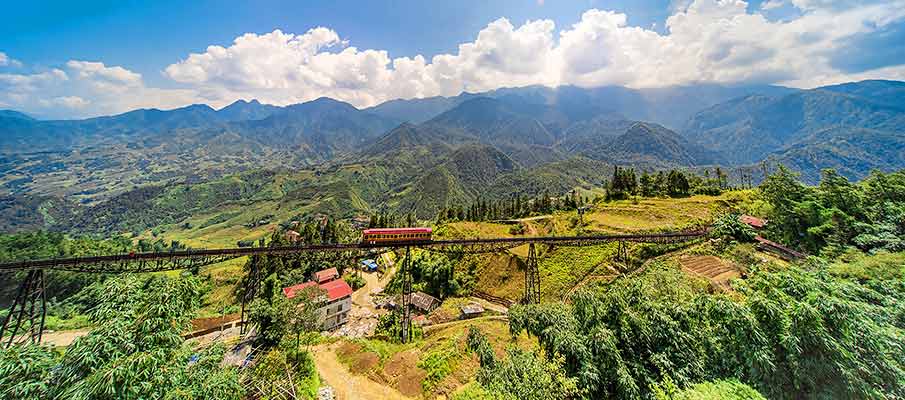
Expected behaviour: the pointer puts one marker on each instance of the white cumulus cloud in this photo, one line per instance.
(712, 41)
(86, 89)
(717, 41)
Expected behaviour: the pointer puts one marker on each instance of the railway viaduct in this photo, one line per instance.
(24, 321)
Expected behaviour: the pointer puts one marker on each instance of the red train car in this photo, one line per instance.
(395, 235)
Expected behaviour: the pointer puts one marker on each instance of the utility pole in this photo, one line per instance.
(532, 277)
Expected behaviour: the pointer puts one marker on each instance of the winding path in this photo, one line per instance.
(346, 385)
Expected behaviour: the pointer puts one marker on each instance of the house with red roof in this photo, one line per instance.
(336, 301)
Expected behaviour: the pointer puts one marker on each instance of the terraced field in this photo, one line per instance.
(717, 271)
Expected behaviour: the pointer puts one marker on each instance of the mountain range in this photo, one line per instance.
(423, 154)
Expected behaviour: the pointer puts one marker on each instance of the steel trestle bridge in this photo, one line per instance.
(27, 311)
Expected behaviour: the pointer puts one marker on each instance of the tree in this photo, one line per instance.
(730, 226)
(521, 375)
(647, 184)
(136, 351)
(270, 312)
(677, 184)
(303, 312)
(789, 334)
(788, 215)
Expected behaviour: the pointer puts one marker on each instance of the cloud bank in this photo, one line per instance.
(712, 41)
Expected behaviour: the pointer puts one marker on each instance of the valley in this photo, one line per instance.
(516, 163)
(467, 200)
(521, 140)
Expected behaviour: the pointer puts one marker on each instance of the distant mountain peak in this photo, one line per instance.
(16, 115)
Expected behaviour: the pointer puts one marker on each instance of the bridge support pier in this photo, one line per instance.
(532, 277)
(407, 296)
(27, 312)
(252, 282)
(622, 252)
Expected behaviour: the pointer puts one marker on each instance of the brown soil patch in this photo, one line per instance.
(360, 362)
(711, 268)
(501, 275)
(213, 322)
(403, 369)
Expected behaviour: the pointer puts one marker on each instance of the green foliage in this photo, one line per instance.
(517, 229)
(793, 334)
(716, 390)
(667, 183)
(136, 351)
(281, 375)
(473, 391)
(439, 363)
(25, 372)
(512, 207)
(623, 185)
(270, 311)
(521, 375)
(389, 327)
(436, 274)
(880, 266)
(355, 281)
(729, 226)
(837, 214)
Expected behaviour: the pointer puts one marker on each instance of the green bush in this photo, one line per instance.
(355, 281)
(729, 226)
(789, 334)
(136, 351)
(717, 390)
(281, 371)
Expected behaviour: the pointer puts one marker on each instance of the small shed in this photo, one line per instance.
(472, 310)
(754, 222)
(326, 275)
(424, 302)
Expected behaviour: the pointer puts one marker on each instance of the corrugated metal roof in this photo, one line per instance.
(472, 308)
(337, 289)
(754, 221)
(334, 289)
(292, 290)
(424, 301)
(326, 275)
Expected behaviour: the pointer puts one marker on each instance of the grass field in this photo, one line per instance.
(563, 268)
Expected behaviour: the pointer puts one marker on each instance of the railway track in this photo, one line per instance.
(187, 259)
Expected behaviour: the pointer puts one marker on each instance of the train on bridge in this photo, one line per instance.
(395, 235)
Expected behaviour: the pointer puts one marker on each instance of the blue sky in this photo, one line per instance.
(75, 59)
(145, 36)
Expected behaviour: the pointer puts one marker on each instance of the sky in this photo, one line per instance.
(65, 59)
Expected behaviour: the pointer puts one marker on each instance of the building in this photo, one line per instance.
(336, 301)
(326, 275)
(424, 302)
(472, 310)
(754, 222)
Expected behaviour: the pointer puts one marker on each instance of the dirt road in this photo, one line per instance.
(346, 385)
(363, 315)
(63, 338)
